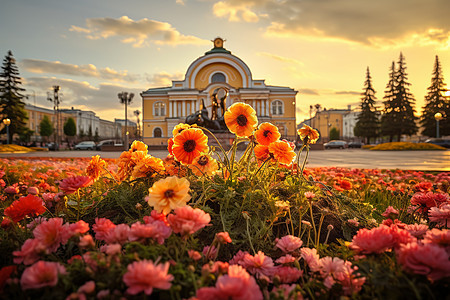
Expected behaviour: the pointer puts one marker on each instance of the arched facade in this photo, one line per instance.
(218, 68)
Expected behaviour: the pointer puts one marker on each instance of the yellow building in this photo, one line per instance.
(325, 120)
(164, 108)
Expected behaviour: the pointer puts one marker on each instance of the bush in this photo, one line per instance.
(398, 146)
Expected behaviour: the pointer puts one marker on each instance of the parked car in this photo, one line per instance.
(104, 143)
(86, 145)
(52, 146)
(336, 144)
(440, 142)
(355, 145)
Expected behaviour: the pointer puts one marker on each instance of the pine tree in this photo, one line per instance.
(399, 110)
(367, 124)
(11, 104)
(70, 128)
(435, 101)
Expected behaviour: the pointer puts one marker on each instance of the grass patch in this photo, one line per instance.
(399, 146)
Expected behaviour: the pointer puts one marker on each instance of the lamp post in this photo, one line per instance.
(56, 103)
(126, 99)
(437, 117)
(7, 122)
(137, 112)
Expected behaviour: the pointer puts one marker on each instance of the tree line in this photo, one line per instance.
(397, 117)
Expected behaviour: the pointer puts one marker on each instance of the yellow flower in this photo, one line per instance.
(267, 133)
(168, 194)
(138, 146)
(204, 164)
(179, 128)
(148, 165)
(96, 167)
(308, 134)
(241, 119)
(189, 144)
(282, 152)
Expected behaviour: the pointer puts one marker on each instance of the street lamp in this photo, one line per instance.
(126, 99)
(7, 122)
(437, 117)
(56, 101)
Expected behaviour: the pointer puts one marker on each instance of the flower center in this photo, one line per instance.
(242, 120)
(169, 193)
(189, 145)
(266, 133)
(203, 160)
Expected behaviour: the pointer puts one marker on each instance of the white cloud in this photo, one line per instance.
(138, 33)
(56, 67)
(381, 23)
(281, 58)
(163, 78)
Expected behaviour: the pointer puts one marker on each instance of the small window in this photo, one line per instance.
(157, 132)
(277, 107)
(159, 109)
(218, 77)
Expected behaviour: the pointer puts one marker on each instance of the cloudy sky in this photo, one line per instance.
(94, 49)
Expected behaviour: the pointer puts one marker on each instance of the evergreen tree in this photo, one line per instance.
(46, 127)
(334, 133)
(89, 132)
(70, 128)
(399, 110)
(367, 124)
(435, 101)
(11, 102)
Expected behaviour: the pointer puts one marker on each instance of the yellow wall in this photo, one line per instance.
(323, 118)
(233, 77)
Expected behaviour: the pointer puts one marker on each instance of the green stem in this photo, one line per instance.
(248, 235)
(220, 146)
(304, 161)
(78, 205)
(320, 229)
(312, 220)
(298, 158)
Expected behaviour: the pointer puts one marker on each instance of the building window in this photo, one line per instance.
(159, 109)
(157, 132)
(218, 77)
(277, 107)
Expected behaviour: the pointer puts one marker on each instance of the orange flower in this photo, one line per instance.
(282, 152)
(179, 128)
(241, 119)
(96, 167)
(204, 164)
(308, 134)
(261, 152)
(26, 206)
(170, 145)
(169, 193)
(125, 165)
(189, 144)
(138, 146)
(267, 133)
(148, 165)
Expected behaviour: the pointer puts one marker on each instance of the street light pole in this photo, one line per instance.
(437, 117)
(126, 99)
(56, 102)
(7, 122)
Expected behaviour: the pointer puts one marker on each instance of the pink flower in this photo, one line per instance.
(87, 288)
(440, 215)
(287, 274)
(29, 253)
(376, 240)
(350, 281)
(353, 222)
(79, 227)
(210, 252)
(71, 184)
(390, 213)
(102, 227)
(112, 249)
(41, 274)
(438, 237)
(144, 276)
(86, 241)
(238, 258)
(33, 190)
(285, 260)
(442, 198)
(12, 190)
(424, 201)
(330, 265)
(417, 230)
(195, 255)
(426, 259)
(155, 216)
(237, 285)
(52, 233)
(311, 257)
(223, 237)
(188, 220)
(309, 195)
(118, 234)
(156, 230)
(289, 243)
(260, 264)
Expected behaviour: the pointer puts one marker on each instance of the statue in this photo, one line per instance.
(216, 122)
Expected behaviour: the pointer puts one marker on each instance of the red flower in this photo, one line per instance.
(25, 206)
(71, 184)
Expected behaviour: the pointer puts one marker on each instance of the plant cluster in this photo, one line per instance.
(204, 223)
(407, 146)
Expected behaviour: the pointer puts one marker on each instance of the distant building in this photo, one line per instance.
(165, 107)
(326, 119)
(349, 120)
(131, 127)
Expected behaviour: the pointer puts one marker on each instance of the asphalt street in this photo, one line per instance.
(350, 158)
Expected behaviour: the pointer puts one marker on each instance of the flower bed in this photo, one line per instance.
(398, 146)
(205, 224)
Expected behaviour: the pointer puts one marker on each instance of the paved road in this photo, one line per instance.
(350, 158)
